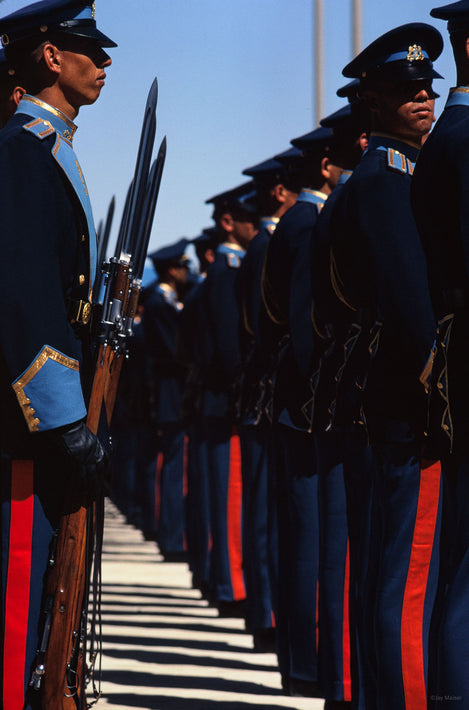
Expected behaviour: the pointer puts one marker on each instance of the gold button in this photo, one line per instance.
(81, 279)
(440, 386)
(445, 427)
(83, 238)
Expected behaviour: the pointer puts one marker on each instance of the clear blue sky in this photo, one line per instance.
(235, 85)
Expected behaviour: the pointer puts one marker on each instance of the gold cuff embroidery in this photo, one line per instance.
(47, 353)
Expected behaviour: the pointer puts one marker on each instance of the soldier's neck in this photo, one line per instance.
(53, 96)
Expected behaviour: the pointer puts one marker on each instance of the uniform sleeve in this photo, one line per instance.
(398, 263)
(39, 239)
(223, 318)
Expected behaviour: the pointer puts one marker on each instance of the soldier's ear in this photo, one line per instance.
(52, 57)
(467, 48)
(17, 94)
(226, 222)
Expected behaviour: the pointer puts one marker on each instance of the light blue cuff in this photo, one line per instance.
(49, 391)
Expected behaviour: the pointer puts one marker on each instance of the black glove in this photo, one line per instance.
(88, 456)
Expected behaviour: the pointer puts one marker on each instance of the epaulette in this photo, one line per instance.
(39, 128)
(399, 163)
(233, 260)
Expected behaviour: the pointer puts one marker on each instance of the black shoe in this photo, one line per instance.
(232, 610)
(299, 688)
(174, 556)
(264, 640)
(337, 705)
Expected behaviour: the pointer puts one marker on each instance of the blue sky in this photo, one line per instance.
(236, 83)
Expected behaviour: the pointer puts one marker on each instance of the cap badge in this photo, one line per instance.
(415, 53)
(93, 10)
(5, 40)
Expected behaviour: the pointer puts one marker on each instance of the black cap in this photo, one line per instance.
(268, 172)
(239, 199)
(172, 254)
(290, 158)
(350, 91)
(207, 239)
(335, 119)
(405, 53)
(314, 141)
(72, 17)
(457, 14)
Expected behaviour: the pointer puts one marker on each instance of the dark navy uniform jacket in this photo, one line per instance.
(161, 321)
(288, 297)
(379, 268)
(220, 350)
(48, 263)
(441, 206)
(254, 321)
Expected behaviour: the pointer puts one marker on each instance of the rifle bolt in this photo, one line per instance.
(62, 608)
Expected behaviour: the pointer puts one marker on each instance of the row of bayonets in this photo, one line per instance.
(123, 272)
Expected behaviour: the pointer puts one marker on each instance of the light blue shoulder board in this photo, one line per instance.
(65, 156)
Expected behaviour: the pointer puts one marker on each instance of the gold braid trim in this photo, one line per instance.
(268, 297)
(337, 283)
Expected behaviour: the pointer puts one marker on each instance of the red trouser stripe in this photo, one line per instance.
(18, 582)
(413, 672)
(159, 468)
(347, 673)
(233, 515)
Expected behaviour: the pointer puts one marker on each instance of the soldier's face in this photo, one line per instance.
(405, 109)
(82, 71)
(244, 232)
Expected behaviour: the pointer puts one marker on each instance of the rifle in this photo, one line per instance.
(60, 668)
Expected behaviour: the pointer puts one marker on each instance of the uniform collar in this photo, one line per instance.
(383, 141)
(227, 246)
(32, 106)
(269, 224)
(315, 196)
(458, 96)
(344, 176)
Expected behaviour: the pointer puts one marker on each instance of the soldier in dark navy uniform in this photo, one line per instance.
(287, 298)
(344, 466)
(236, 220)
(198, 499)
(11, 91)
(161, 323)
(379, 271)
(441, 213)
(50, 459)
(276, 192)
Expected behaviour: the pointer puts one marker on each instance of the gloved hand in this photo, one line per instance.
(88, 456)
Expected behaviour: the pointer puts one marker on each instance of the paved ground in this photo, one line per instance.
(164, 648)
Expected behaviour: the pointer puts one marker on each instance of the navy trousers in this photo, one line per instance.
(254, 457)
(198, 508)
(403, 566)
(449, 688)
(334, 571)
(298, 541)
(32, 500)
(224, 466)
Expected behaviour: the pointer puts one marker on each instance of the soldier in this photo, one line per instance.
(276, 192)
(379, 272)
(443, 226)
(49, 457)
(236, 220)
(11, 92)
(165, 376)
(287, 299)
(198, 499)
(343, 543)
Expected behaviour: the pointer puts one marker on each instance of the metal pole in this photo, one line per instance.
(318, 57)
(357, 27)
